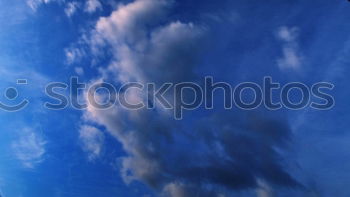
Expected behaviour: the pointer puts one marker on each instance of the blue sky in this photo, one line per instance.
(216, 152)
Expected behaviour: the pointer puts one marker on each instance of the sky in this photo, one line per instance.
(147, 153)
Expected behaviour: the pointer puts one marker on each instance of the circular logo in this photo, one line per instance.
(11, 93)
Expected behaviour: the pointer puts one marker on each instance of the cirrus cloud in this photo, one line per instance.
(29, 148)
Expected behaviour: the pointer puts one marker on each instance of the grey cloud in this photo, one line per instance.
(211, 156)
(220, 155)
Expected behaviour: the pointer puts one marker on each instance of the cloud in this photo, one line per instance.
(228, 18)
(34, 4)
(92, 140)
(92, 5)
(71, 8)
(150, 51)
(264, 190)
(29, 148)
(212, 156)
(183, 190)
(79, 70)
(292, 57)
(73, 54)
(225, 152)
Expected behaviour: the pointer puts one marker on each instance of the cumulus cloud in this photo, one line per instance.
(214, 155)
(92, 140)
(127, 20)
(29, 148)
(292, 57)
(141, 54)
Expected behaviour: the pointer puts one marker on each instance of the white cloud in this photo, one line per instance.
(292, 57)
(92, 5)
(92, 141)
(34, 4)
(71, 8)
(135, 46)
(29, 148)
(73, 55)
(128, 21)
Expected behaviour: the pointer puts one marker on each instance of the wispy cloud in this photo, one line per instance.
(92, 140)
(34, 4)
(79, 71)
(73, 55)
(92, 6)
(228, 18)
(71, 8)
(29, 148)
(264, 190)
(292, 57)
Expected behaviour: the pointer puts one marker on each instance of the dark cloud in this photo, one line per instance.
(226, 153)
(211, 156)
(223, 153)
